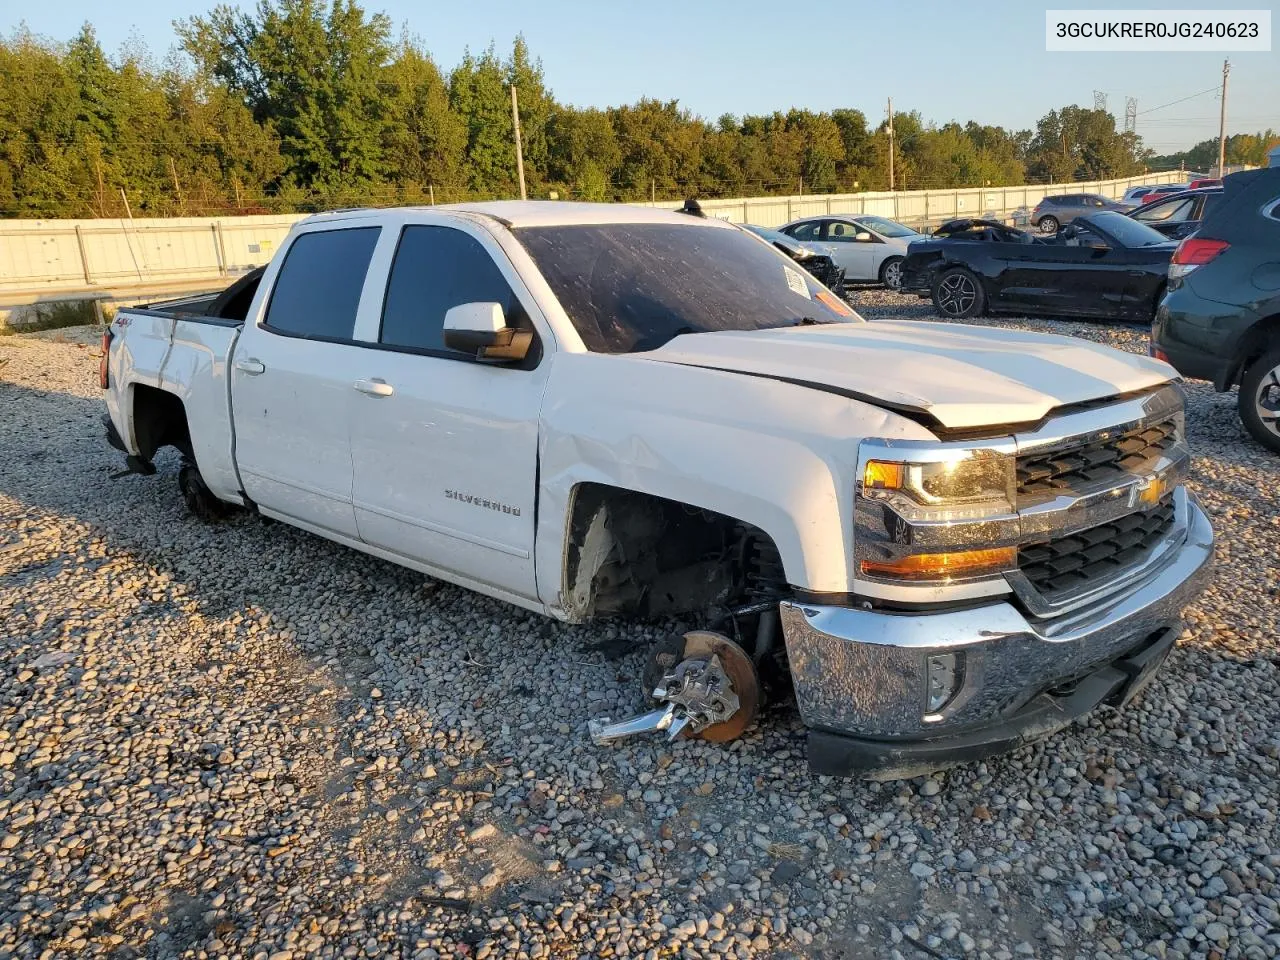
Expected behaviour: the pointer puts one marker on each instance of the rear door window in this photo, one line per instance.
(1171, 211)
(436, 268)
(318, 289)
(841, 231)
(809, 230)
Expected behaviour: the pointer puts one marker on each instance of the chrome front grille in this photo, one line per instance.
(1096, 555)
(1100, 462)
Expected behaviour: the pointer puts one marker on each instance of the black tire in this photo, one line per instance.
(1048, 224)
(198, 497)
(891, 273)
(1259, 399)
(958, 294)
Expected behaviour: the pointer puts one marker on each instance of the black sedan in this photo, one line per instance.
(1101, 265)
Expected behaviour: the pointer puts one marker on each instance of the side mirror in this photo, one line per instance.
(481, 328)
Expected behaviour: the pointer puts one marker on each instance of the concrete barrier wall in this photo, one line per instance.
(44, 257)
(916, 207)
(78, 255)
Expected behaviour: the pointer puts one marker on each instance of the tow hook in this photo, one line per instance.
(708, 688)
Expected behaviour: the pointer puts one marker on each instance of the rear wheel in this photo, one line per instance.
(1048, 224)
(891, 273)
(957, 294)
(197, 495)
(1259, 399)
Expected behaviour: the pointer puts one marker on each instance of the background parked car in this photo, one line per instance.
(1220, 320)
(814, 257)
(1178, 215)
(1052, 212)
(1205, 182)
(1102, 265)
(1134, 195)
(866, 247)
(1155, 193)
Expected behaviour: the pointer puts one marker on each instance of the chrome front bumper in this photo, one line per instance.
(864, 673)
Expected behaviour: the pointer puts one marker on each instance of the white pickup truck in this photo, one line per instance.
(951, 539)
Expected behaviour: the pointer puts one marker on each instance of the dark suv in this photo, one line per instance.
(1220, 319)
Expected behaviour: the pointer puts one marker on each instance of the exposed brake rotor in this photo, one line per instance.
(706, 686)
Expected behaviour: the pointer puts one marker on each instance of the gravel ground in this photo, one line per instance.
(244, 741)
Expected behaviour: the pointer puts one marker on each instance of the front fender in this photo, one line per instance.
(776, 455)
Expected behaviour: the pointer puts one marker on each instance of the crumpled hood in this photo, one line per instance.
(960, 376)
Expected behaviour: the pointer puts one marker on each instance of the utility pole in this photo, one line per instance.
(891, 144)
(177, 188)
(1130, 114)
(515, 119)
(1100, 100)
(129, 211)
(1222, 121)
(431, 192)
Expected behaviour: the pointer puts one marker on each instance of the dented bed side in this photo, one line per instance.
(188, 359)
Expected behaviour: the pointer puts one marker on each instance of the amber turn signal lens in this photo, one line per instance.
(944, 566)
(833, 303)
(882, 475)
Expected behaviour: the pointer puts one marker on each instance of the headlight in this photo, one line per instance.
(943, 483)
(935, 515)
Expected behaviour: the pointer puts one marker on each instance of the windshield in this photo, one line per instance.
(886, 228)
(1129, 232)
(629, 287)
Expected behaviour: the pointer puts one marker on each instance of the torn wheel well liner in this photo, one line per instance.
(159, 420)
(630, 553)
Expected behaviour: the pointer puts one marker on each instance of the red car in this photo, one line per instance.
(1205, 182)
(1163, 190)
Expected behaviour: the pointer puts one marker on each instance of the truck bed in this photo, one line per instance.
(226, 308)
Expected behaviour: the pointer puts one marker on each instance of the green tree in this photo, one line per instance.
(1076, 143)
(582, 152)
(478, 94)
(313, 76)
(426, 141)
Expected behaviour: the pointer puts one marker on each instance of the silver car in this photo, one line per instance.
(1052, 212)
(867, 247)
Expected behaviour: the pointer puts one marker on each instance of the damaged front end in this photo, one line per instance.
(1003, 589)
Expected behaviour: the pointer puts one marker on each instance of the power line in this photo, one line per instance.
(1173, 103)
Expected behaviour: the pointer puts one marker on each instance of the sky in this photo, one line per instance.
(967, 59)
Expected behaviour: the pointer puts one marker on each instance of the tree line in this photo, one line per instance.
(298, 105)
(1241, 149)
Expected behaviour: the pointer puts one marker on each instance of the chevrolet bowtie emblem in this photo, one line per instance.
(1150, 493)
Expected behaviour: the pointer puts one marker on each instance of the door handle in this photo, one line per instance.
(375, 387)
(250, 366)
